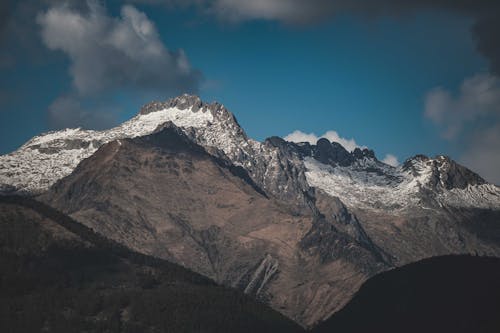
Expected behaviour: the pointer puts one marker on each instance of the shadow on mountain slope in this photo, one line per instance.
(60, 276)
(441, 294)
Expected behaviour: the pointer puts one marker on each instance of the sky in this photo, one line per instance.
(400, 77)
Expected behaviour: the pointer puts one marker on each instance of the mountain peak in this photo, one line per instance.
(184, 108)
(181, 102)
(184, 102)
(361, 153)
(48, 157)
(331, 153)
(442, 172)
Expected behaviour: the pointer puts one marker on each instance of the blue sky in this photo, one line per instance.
(369, 79)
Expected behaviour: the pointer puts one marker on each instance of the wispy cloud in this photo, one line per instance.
(479, 97)
(68, 111)
(483, 153)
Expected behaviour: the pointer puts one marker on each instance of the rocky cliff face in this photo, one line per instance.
(299, 226)
(166, 196)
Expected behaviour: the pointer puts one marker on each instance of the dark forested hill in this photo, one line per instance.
(60, 276)
(441, 294)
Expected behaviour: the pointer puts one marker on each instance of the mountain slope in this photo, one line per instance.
(40, 162)
(442, 294)
(300, 226)
(59, 276)
(166, 196)
(287, 170)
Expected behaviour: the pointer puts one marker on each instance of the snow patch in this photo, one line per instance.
(48, 157)
(370, 184)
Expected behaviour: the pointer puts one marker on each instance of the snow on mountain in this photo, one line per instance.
(357, 187)
(485, 196)
(43, 160)
(284, 170)
(370, 184)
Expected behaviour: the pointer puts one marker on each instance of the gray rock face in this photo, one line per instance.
(326, 152)
(361, 153)
(267, 268)
(284, 176)
(328, 243)
(337, 233)
(165, 195)
(332, 153)
(185, 102)
(66, 145)
(182, 102)
(446, 173)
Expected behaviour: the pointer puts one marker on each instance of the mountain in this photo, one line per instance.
(40, 162)
(442, 294)
(296, 225)
(59, 276)
(166, 196)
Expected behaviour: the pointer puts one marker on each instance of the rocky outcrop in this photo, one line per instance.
(332, 153)
(260, 277)
(446, 174)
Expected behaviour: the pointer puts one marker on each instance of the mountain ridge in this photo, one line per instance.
(188, 112)
(187, 207)
(298, 226)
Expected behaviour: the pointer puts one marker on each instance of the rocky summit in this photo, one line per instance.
(296, 225)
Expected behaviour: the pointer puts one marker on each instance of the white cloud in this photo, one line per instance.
(115, 52)
(299, 136)
(391, 160)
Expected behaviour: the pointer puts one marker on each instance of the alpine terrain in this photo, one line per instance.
(298, 226)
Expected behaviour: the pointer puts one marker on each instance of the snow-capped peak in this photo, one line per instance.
(283, 169)
(420, 181)
(48, 157)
